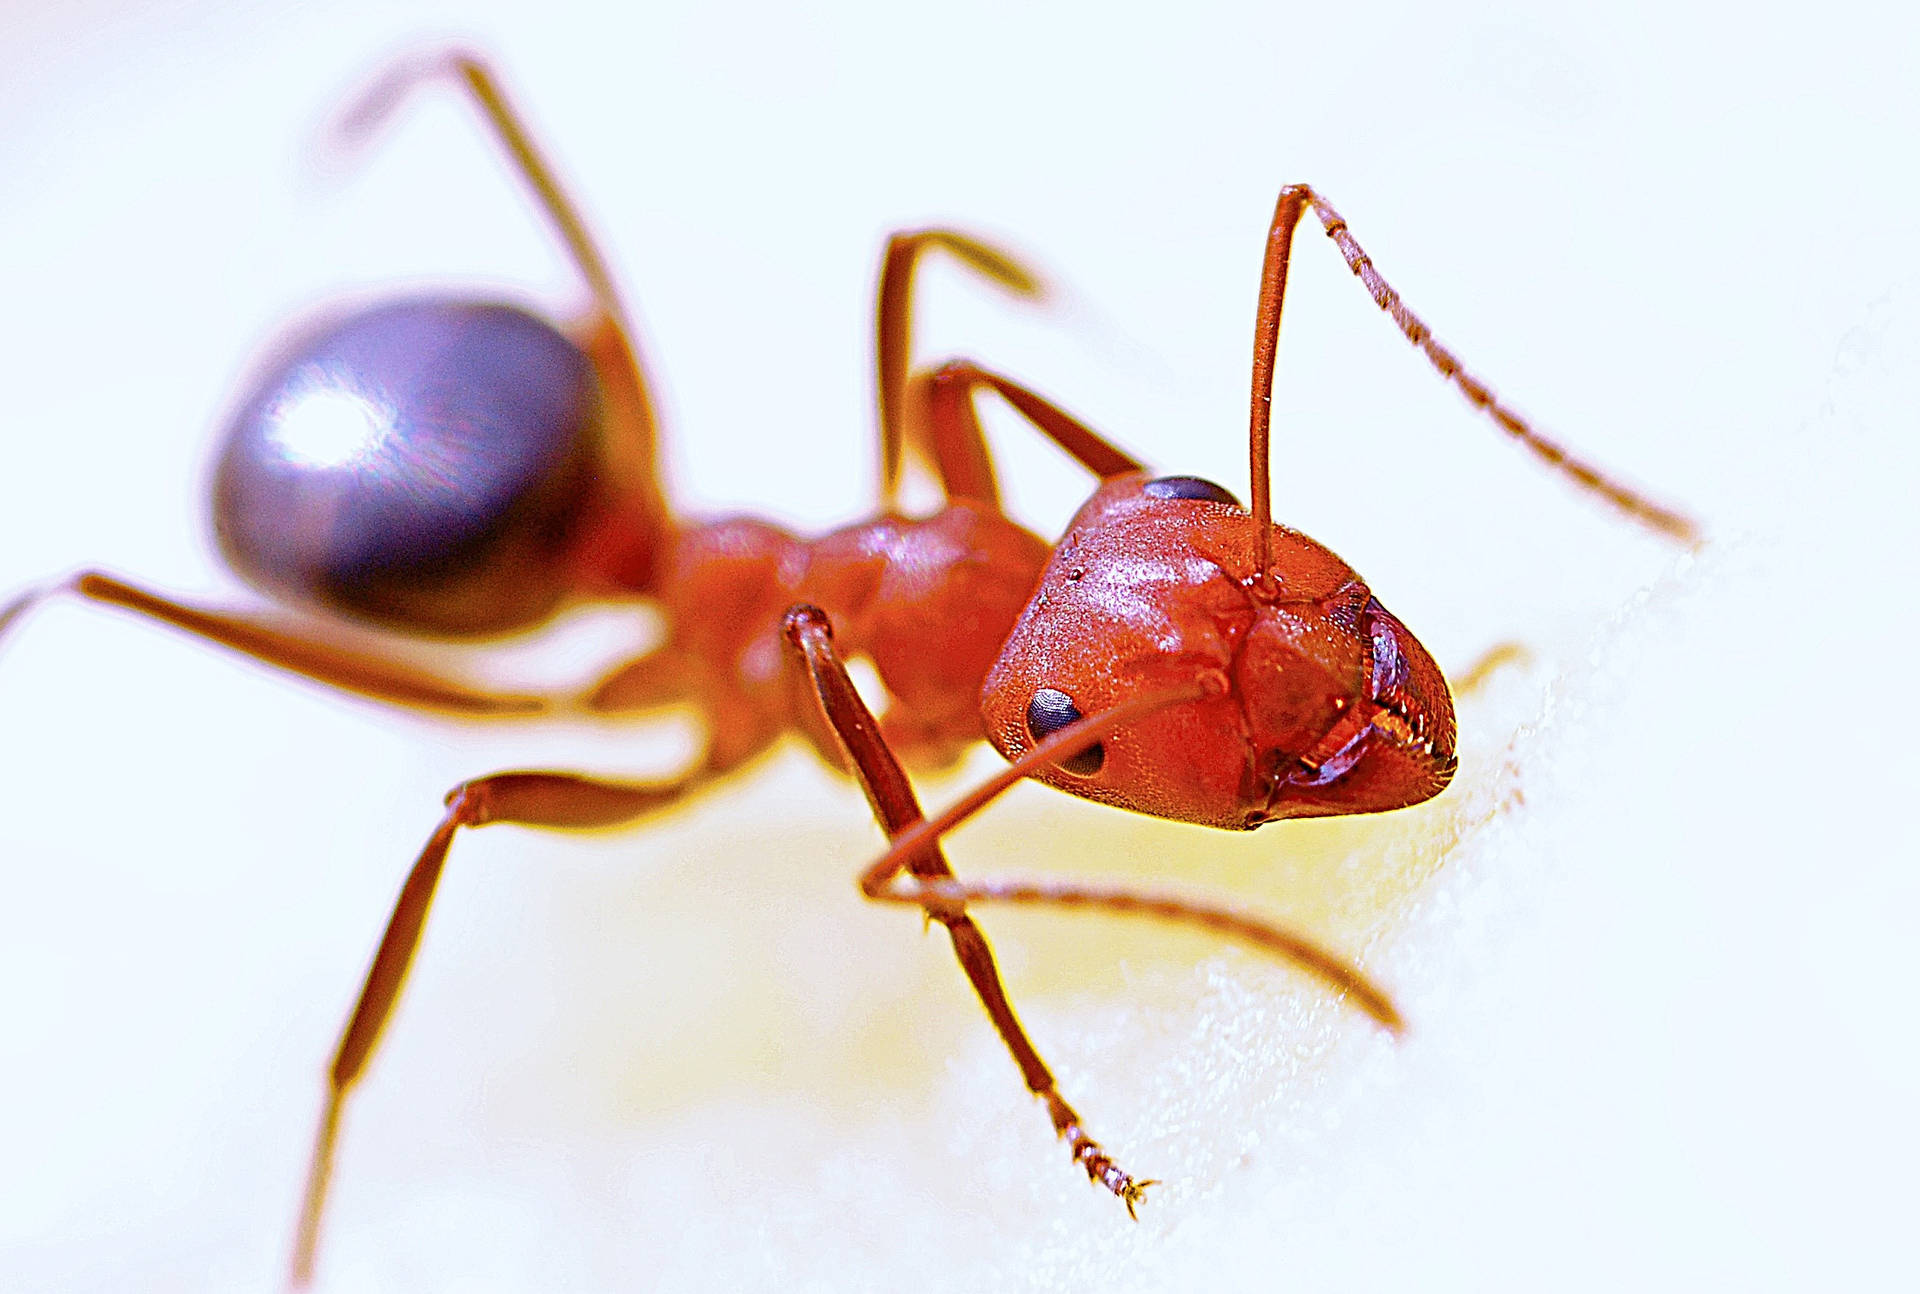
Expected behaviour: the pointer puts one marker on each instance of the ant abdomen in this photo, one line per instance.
(422, 464)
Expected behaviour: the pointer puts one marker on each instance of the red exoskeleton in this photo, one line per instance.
(442, 467)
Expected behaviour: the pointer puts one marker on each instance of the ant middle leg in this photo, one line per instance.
(930, 414)
(893, 337)
(558, 801)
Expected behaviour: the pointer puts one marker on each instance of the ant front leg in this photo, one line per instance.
(809, 639)
(560, 801)
(929, 883)
(1489, 663)
(944, 400)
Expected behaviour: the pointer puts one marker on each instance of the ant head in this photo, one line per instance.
(1318, 701)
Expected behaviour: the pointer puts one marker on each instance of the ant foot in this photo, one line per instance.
(20, 606)
(1102, 1171)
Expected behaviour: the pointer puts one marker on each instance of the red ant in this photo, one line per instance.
(446, 468)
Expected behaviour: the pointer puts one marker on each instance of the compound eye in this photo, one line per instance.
(1188, 487)
(1049, 712)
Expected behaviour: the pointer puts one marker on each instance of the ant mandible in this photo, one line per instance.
(442, 467)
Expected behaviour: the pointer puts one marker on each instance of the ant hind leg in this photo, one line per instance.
(311, 655)
(367, 112)
(607, 335)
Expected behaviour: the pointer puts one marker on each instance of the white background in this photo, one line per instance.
(1653, 945)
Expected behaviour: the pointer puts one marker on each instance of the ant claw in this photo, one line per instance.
(1133, 1193)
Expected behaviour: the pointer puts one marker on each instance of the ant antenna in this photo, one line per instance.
(1266, 340)
(1294, 200)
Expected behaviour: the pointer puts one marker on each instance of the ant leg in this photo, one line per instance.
(937, 408)
(364, 673)
(365, 114)
(915, 839)
(660, 678)
(1491, 662)
(945, 401)
(562, 801)
(809, 638)
(942, 412)
(607, 336)
(893, 328)
(1293, 203)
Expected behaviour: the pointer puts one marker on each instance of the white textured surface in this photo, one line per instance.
(1655, 947)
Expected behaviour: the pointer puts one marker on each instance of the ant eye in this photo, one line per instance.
(1188, 487)
(1049, 712)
